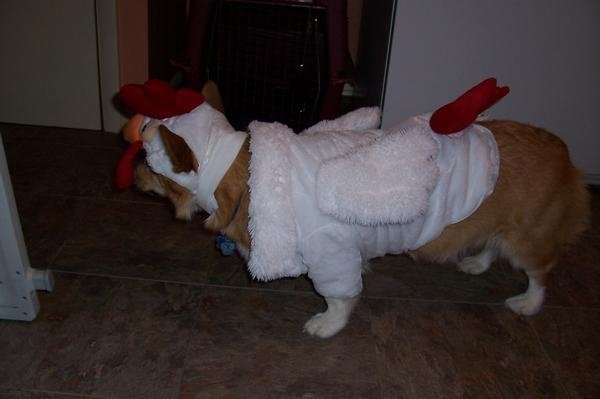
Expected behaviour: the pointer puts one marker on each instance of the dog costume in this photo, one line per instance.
(326, 200)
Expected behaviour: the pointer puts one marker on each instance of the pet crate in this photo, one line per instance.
(283, 60)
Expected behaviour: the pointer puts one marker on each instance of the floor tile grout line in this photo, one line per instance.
(77, 395)
(268, 290)
(70, 229)
(306, 293)
(57, 252)
(482, 303)
(193, 284)
(89, 198)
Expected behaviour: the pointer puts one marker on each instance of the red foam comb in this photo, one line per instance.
(157, 99)
(463, 111)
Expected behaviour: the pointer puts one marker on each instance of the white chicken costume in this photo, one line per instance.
(326, 200)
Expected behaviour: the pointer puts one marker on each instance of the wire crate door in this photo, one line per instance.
(269, 61)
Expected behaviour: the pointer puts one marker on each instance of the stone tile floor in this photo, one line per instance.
(145, 307)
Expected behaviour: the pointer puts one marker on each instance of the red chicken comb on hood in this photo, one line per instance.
(463, 111)
(157, 99)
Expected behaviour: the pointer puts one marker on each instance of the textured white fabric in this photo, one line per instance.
(215, 145)
(366, 118)
(376, 184)
(291, 234)
(270, 184)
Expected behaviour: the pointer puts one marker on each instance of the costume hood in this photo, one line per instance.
(213, 141)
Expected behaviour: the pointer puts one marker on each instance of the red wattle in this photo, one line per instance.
(124, 172)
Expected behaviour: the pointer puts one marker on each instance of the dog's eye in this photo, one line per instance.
(144, 127)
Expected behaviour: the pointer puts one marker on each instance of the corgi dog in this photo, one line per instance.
(537, 206)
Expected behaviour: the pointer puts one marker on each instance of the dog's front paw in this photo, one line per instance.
(325, 325)
(330, 322)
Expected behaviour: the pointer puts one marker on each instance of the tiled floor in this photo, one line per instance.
(145, 307)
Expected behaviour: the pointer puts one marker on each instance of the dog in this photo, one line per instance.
(538, 207)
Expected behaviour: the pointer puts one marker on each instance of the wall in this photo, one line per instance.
(49, 68)
(547, 51)
(61, 64)
(132, 22)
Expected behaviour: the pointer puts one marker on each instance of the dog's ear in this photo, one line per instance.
(182, 157)
(210, 91)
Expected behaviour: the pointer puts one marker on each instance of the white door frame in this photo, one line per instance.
(108, 64)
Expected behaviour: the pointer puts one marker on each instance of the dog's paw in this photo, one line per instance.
(526, 304)
(325, 325)
(330, 322)
(472, 265)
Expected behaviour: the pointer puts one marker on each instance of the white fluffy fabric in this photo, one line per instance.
(388, 181)
(366, 118)
(272, 223)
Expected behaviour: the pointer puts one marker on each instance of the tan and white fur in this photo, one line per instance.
(539, 206)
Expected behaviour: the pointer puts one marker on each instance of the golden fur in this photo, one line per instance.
(539, 204)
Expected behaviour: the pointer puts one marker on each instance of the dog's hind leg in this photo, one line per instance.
(537, 263)
(530, 302)
(479, 263)
(330, 322)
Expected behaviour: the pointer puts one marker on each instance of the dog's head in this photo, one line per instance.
(182, 160)
(168, 162)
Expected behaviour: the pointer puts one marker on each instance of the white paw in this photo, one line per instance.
(325, 325)
(472, 265)
(525, 304)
